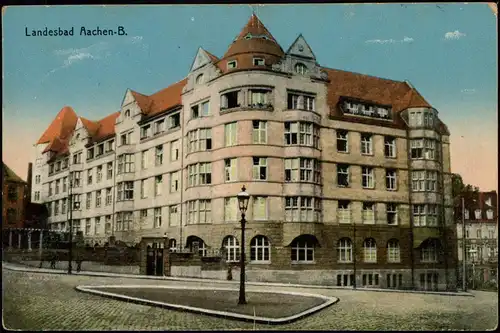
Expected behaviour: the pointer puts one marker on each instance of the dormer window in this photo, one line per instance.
(77, 136)
(248, 36)
(488, 202)
(300, 68)
(231, 64)
(258, 61)
(100, 149)
(145, 132)
(90, 153)
(489, 214)
(477, 214)
(127, 113)
(200, 79)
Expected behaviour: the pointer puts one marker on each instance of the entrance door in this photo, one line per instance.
(159, 262)
(150, 262)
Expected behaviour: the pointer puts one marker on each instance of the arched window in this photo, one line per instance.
(300, 68)
(260, 250)
(393, 252)
(199, 79)
(127, 113)
(232, 247)
(429, 251)
(302, 249)
(194, 241)
(344, 250)
(370, 250)
(172, 245)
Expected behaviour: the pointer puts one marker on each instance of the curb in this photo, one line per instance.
(328, 301)
(186, 279)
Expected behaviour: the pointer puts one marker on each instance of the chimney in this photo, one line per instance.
(29, 180)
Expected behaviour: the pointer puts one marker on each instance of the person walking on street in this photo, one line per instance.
(53, 259)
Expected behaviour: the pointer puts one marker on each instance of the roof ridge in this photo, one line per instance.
(358, 73)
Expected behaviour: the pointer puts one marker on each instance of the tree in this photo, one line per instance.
(461, 190)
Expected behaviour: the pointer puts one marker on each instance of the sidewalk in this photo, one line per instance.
(23, 268)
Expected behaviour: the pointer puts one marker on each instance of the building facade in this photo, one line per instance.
(481, 237)
(349, 174)
(14, 190)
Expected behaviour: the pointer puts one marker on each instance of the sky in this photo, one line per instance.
(447, 51)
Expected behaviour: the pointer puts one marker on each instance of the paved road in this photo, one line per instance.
(35, 301)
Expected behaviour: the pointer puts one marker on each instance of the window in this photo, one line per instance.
(489, 214)
(107, 224)
(230, 209)
(366, 144)
(477, 214)
(90, 153)
(417, 149)
(478, 233)
(199, 79)
(369, 250)
(174, 181)
(423, 148)
(143, 189)
(344, 280)
(63, 206)
(302, 209)
(431, 181)
(200, 140)
(110, 170)
(126, 191)
(418, 180)
(343, 211)
(342, 142)
(126, 138)
(301, 133)
(429, 251)
(302, 169)
(88, 201)
(259, 132)
(98, 198)
(13, 192)
(123, 221)
(259, 208)
(56, 189)
(198, 211)
(344, 250)
(260, 249)
(367, 177)
(297, 101)
(205, 210)
(143, 216)
(368, 213)
(145, 132)
(174, 150)
(58, 166)
(230, 169)
(259, 98)
(158, 126)
(37, 179)
(126, 163)
(159, 155)
(157, 217)
(302, 250)
(158, 185)
(392, 213)
(393, 252)
(390, 180)
(259, 168)
(51, 169)
(390, 147)
(491, 234)
(428, 119)
(300, 68)
(37, 195)
(230, 134)
(394, 280)
(430, 149)
(231, 64)
(109, 145)
(100, 149)
(200, 174)
(127, 113)
(89, 176)
(174, 121)
(173, 215)
(415, 118)
(258, 61)
(342, 175)
(12, 215)
(425, 215)
(97, 225)
(88, 224)
(232, 249)
(370, 279)
(56, 207)
(229, 100)
(109, 196)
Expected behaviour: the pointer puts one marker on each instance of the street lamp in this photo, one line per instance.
(243, 198)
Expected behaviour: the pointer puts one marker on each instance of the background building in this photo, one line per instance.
(349, 174)
(481, 237)
(14, 190)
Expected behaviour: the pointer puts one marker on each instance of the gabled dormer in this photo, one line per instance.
(300, 61)
(133, 104)
(202, 70)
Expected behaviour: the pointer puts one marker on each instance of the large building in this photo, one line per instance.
(349, 174)
(481, 237)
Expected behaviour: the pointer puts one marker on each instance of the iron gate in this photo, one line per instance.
(154, 264)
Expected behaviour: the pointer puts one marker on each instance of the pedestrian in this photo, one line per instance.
(53, 259)
(79, 260)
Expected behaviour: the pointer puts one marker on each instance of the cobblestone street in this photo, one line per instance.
(36, 301)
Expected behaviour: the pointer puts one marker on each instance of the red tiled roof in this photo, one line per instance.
(255, 27)
(106, 127)
(62, 126)
(161, 100)
(213, 58)
(90, 126)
